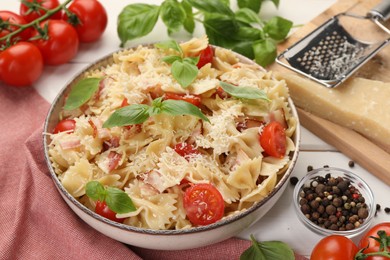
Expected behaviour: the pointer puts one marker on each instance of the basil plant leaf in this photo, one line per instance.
(184, 72)
(243, 92)
(95, 190)
(248, 16)
(212, 6)
(268, 250)
(119, 201)
(189, 21)
(276, 2)
(278, 28)
(265, 52)
(171, 59)
(192, 60)
(180, 107)
(169, 44)
(254, 5)
(81, 93)
(173, 15)
(129, 115)
(136, 20)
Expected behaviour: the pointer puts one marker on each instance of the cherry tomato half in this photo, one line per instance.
(273, 139)
(203, 204)
(206, 56)
(33, 13)
(62, 42)
(21, 64)
(334, 247)
(185, 149)
(92, 19)
(65, 125)
(103, 210)
(373, 245)
(13, 20)
(193, 99)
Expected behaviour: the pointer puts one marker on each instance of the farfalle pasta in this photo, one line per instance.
(146, 160)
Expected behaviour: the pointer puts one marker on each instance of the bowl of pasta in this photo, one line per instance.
(172, 145)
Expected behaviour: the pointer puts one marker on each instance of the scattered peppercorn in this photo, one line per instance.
(293, 180)
(351, 164)
(387, 210)
(309, 168)
(333, 203)
(326, 166)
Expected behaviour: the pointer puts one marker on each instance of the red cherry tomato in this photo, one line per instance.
(206, 56)
(21, 64)
(334, 247)
(65, 125)
(204, 204)
(185, 149)
(92, 19)
(34, 12)
(103, 210)
(373, 245)
(62, 42)
(273, 139)
(13, 20)
(193, 99)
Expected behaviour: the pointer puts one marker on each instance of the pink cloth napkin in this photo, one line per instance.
(35, 222)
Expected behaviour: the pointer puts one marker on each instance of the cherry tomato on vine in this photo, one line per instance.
(206, 56)
(60, 44)
(65, 125)
(193, 99)
(9, 22)
(31, 10)
(334, 247)
(103, 210)
(273, 139)
(203, 204)
(373, 245)
(92, 19)
(21, 64)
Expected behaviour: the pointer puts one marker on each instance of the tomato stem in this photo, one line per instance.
(36, 21)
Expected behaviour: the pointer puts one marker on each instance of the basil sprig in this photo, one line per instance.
(116, 199)
(139, 113)
(242, 31)
(81, 93)
(268, 250)
(183, 69)
(243, 92)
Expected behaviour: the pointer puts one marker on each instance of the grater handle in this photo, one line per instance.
(382, 10)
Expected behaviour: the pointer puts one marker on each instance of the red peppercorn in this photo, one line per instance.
(355, 196)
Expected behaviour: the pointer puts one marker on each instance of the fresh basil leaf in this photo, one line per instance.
(248, 34)
(265, 52)
(128, 115)
(212, 6)
(95, 190)
(184, 72)
(220, 25)
(81, 93)
(192, 60)
(276, 2)
(180, 107)
(254, 5)
(169, 44)
(119, 201)
(173, 15)
(244, 48)
(278, 28)
(136, 20)
(156, 107)
(171, 59)
(243, 92)
(248, 16)
(268, 250)
(189, 21)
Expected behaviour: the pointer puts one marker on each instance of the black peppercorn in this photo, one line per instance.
(309, 168)
(387, 210)
(351, 164)
(293, 180)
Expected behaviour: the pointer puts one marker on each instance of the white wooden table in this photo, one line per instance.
(281, 222)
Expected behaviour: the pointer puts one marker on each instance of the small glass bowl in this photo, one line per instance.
(355, 181)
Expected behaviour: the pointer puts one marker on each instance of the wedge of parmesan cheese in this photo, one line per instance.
(359, 104)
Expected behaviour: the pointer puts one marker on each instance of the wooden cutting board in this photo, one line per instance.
(370, 156)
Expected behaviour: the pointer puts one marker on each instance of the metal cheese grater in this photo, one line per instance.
(333, 52)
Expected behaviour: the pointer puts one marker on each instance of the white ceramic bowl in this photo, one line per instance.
(165, 239)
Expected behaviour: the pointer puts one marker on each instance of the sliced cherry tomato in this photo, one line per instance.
(193, 99)
(371, 244)
(206, 56)
(92, 19)
(21, 64)
(221, 93)
(103, 210)
(334, 247)
(125, 102)
(185, 150)
(204, 204)
(273, 139)
(65, 125)
(9, 21)
(30, 10)
(62, 42)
